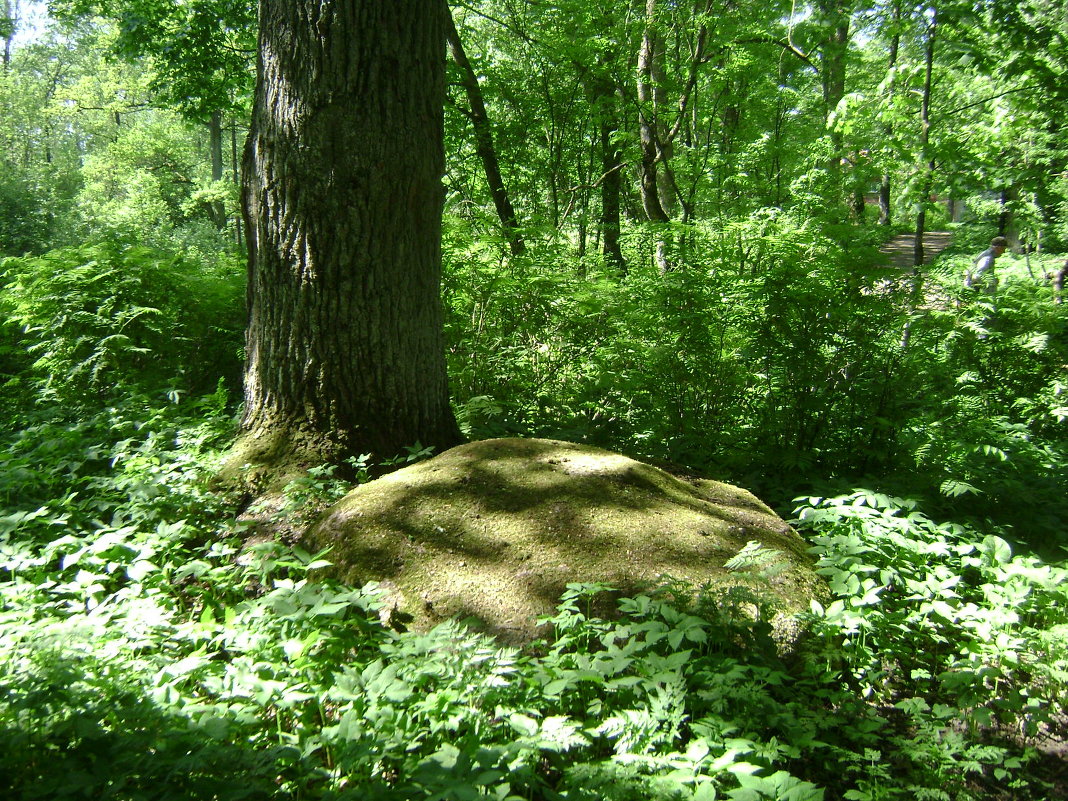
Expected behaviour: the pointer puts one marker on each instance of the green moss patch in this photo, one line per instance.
(495, 530)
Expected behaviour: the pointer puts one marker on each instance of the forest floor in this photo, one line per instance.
(899, 249)
(899, 253)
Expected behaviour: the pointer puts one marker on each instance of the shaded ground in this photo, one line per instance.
(899, 249)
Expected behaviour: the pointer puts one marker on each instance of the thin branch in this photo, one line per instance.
(449, 100)
(506, 25)
(987, 100)
(691, 82)
(783, 43)
(126, 109)
(241, 51)
(574, 190)
(599, 181)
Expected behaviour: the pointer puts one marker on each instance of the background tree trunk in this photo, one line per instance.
(239, 236)
(215, 145)
(925, 140)
(611, 192)
(650, 100)
(343, 201)
(835, 16)
(502, 202)
(7, 29)
(885, 208)
(602, 92)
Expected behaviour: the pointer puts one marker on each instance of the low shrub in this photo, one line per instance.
(105, 318)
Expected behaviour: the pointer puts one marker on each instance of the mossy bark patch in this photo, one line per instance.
(495, 530)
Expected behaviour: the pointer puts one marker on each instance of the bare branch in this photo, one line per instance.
(783, 43)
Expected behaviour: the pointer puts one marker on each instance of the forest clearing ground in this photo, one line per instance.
(900, 248)
(899, 251)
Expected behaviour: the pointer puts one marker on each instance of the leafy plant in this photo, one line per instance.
(106, 317)
(951, 617)
(156, 656)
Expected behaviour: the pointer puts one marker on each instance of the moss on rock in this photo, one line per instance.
(495, 530)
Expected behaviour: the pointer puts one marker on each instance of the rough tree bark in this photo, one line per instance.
(343, 201)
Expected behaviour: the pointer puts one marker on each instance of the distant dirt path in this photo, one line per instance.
(899, 249)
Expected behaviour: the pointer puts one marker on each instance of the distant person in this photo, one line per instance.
(1058, 282)
(982, 275)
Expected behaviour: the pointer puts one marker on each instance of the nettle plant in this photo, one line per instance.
(937, 618)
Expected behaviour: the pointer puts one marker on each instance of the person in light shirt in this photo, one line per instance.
(982, 275)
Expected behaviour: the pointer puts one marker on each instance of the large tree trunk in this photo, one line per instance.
(343, 201)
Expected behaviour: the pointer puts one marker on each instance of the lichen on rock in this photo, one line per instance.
(495, 530)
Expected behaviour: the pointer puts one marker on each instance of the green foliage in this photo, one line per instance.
(102, 318)
(773, 355)
(88, 142)
(150, 654)
(202, 51)
(23, 221)
(989, 430)
(943, 623)
(901, 580)
(1059, 191)
(151, 185)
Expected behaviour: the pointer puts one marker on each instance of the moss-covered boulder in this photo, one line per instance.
(495, 530)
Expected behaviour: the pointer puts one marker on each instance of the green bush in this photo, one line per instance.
(23, 222)
(150, 184)
(939, 611)
(105, 318)
(987, 433)
(151, 652)
(762, 352)
(778, 358)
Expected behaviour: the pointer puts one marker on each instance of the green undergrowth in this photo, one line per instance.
(780, 357)
(146, 654)
(107, 319)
